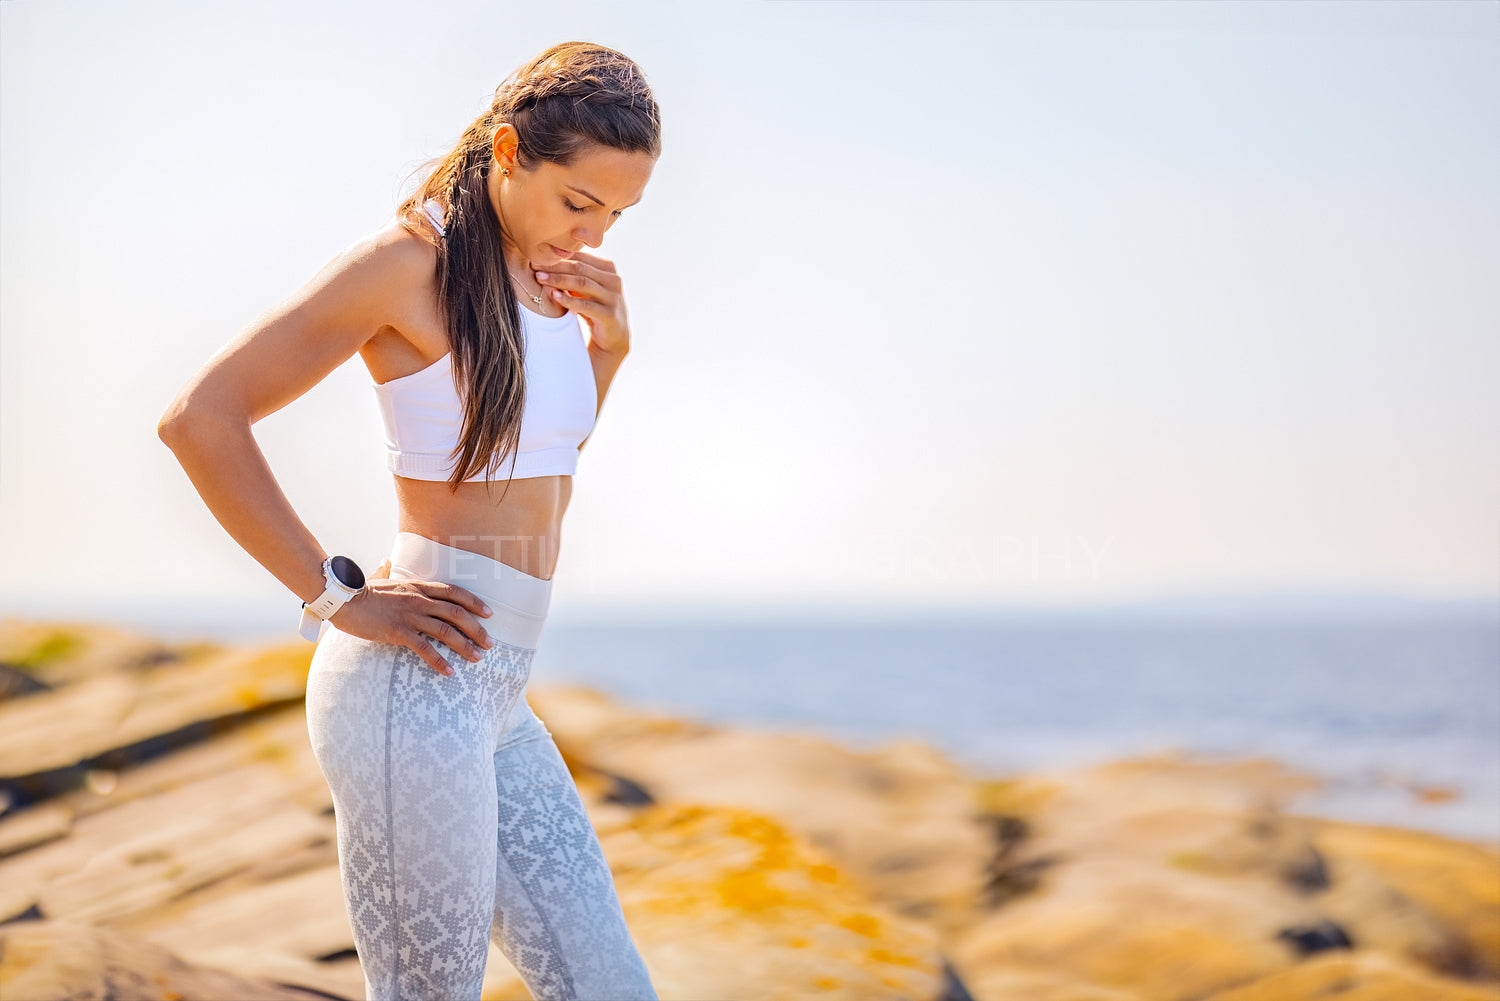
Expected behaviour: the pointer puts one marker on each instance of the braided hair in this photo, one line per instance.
(569, 98)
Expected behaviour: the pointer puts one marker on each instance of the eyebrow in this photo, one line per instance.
(597, 201)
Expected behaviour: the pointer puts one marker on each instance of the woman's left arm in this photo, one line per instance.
(589, 286)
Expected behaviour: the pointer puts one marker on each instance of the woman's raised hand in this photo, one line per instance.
(588, 285)
(412, 613)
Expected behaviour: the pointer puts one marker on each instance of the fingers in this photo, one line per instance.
(603, 263)
(465, 599)
(557, 281)
(583, 257)
(572, 302)
(452, 616)
(600, 302)
(419, 645)
(447, 614)
(436, 630)
(575, 275)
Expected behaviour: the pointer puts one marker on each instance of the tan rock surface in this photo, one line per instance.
(1362, 975)
(1170, 878)
(750, 864)
(158, 847)
(901, 819)
(64, 961)
(61, 651)
(727, 903)
(1455, 882)
(95, 714)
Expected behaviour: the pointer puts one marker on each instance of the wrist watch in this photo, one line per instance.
(345, 579)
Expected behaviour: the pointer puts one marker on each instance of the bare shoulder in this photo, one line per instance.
(376, 274)
(403, 261)
(397, 279)
(412, 332)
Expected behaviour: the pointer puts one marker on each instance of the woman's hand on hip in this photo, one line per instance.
(414, 613)
(588, 285)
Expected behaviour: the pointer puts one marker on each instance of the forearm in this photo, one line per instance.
(605, 364)
(230, 473)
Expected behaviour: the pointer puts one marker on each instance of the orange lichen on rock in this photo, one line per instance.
(721, 882)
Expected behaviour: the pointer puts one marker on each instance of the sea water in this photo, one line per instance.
(1378, 709)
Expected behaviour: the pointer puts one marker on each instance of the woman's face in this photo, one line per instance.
(550, 212)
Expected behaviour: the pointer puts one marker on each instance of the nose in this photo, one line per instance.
(587, 235)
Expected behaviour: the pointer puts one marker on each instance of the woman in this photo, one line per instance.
(457, 819)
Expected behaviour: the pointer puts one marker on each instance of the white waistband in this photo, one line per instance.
(519, 600)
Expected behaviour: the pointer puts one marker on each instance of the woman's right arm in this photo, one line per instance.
(279, 357)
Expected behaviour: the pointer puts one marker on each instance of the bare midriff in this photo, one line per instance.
(522, 531)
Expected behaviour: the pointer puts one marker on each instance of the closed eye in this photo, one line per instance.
(584, 208)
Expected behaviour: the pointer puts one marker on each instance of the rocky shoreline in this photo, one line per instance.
(165, 833)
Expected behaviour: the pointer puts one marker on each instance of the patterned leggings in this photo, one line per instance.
(458, 822)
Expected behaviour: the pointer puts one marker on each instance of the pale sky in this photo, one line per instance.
(933, 306)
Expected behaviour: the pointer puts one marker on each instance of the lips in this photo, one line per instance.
(560, 252)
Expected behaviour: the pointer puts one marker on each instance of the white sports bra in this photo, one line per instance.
(423, 413)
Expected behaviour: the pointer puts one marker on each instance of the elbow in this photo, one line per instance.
(182, 422)
(166, 430)
(172, 426)
(169, 429)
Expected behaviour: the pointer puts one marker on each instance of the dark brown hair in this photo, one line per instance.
(568, 98)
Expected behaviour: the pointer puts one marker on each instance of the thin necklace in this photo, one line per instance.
(519, 284)
(534, 298)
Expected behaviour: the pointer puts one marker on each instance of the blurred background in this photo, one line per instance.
(1045, 382)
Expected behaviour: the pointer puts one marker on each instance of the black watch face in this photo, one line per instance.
(348, 572)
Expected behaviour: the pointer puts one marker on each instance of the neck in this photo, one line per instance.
(514, 258)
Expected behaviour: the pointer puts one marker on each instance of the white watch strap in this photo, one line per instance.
(315, 612)
(310, 625)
